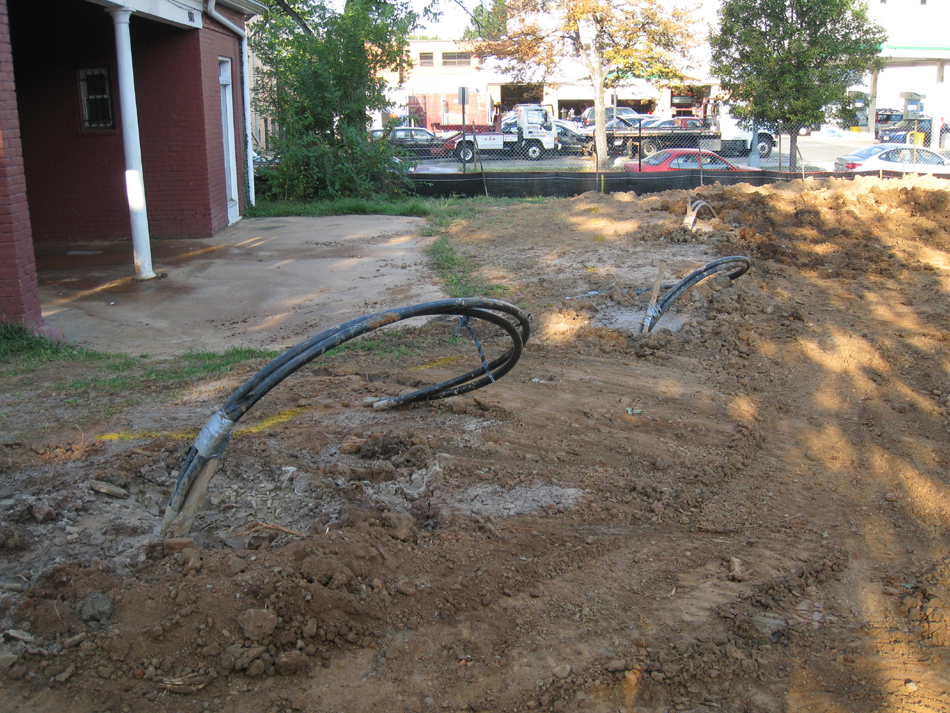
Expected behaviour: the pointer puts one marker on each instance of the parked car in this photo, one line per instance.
(886, 118)
(623, 124)
(679, 122)
(587, 118)
(569, 140)
(682, 159)
(413, 140)
(900, 132)
(887, 157)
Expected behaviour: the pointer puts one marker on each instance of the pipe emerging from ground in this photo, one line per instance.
(202, 460)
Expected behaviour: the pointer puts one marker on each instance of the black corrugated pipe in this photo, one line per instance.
(199, 465)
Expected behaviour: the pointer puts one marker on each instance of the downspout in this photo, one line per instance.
(246, 61)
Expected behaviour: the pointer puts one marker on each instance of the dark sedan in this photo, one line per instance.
(901, 132)
(413, 140)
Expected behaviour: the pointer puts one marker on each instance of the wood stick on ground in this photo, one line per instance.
(258, 526)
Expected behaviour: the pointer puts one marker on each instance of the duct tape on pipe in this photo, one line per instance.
(213, 439)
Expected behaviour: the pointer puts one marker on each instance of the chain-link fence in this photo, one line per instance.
(682, 142)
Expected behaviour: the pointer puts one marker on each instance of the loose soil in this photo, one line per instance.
(745, 510)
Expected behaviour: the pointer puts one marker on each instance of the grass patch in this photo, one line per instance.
(459, 272)
(123, 374)
(22, 351)
(390, 343)
(411, 207)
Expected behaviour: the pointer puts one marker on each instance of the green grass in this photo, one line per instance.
(459, 273)
(22, 352)
(413, 207)
(121, 373)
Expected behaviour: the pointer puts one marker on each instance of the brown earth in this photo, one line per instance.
(746, 510)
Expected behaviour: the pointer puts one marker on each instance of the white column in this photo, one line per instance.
(872, 104)
(941, 108)
(134, 182)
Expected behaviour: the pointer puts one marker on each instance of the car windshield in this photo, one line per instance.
(657, 158)
(869, 151)
(912, 124)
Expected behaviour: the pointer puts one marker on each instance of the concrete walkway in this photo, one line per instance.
(263, 282)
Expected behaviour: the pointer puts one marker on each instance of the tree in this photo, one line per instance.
(489, 22)
(781, 62)
(321, 78)
(614, 39)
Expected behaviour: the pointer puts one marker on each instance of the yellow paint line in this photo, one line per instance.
(274, 420)
(437, 362)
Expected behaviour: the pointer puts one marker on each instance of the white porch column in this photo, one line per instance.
(134, 182)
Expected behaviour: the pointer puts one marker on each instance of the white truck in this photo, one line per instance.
(738, 141)
(734, 140)
(528, 130)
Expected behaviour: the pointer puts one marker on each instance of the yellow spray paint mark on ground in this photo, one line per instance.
(437, 362)
(274, 420)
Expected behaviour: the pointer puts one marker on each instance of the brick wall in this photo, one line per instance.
(172, 125)
(19, 296)
(216, 41)
(76, 176)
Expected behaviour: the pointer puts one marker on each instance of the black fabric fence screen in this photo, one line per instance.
(564, 184)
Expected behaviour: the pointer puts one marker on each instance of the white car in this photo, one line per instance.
(889, 157)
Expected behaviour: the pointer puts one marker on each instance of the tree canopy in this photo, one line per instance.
(782, 62)
(489, 22)
(613, 39)
(321, 77)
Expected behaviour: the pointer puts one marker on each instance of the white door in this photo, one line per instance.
(227, 133)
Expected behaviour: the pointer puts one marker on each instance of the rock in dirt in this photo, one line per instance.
(257, 624)
(75, 640)
(7, 661)
(43, 513)
(291, 662)
(96, 607)
(177, 544)
(113, 491)
(399, 526)
(562, 671)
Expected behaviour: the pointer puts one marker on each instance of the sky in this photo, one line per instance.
(455, 19)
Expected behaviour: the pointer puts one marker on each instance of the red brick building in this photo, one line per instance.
(119, 120)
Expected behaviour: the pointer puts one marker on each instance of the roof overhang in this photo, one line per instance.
(181, 13)
(248, 7)
(915, 55)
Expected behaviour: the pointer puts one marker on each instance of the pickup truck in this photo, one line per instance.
(528, 130)
(649, 136)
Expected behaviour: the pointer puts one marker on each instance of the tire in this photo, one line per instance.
(648, 148)
(765, 147)
(465, 152)
(534, 151)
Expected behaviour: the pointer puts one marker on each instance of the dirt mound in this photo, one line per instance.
(743, 510)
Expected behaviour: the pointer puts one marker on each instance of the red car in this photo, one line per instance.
(678, 159)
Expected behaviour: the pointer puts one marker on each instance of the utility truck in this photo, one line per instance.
(734, 139)
(528, 130)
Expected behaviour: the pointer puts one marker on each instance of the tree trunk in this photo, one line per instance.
(793, 148)
(598, 77)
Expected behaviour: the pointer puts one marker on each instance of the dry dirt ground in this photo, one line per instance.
(746, 510)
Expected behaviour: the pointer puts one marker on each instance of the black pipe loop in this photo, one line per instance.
(735, 266)
(214, 437)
